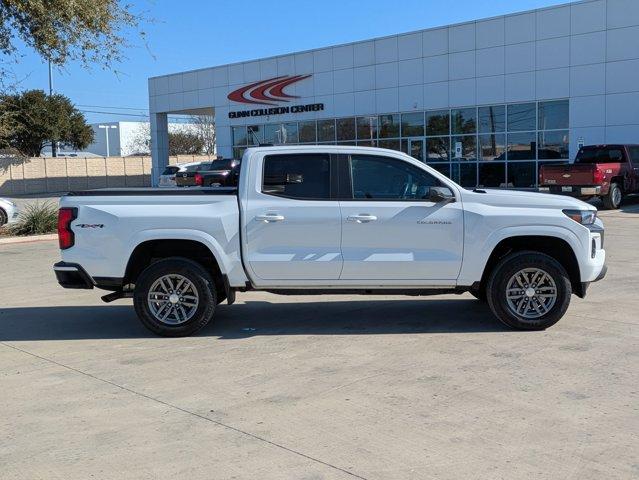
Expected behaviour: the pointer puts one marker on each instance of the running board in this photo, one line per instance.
(116, 296)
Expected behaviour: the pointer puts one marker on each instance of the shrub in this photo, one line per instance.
(36, 219)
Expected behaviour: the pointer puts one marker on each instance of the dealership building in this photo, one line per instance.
(486, 102)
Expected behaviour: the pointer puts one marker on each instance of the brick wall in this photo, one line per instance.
(61, 174)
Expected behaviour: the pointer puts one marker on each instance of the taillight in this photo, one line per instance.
(199, 181)
(541, 174)
(598, 175)
(66, 238)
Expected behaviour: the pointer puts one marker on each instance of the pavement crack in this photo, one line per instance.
(188, 412)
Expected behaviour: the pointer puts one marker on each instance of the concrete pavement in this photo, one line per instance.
(318, 387)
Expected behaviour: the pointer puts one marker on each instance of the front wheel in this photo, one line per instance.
(612, 201)
(4, 218)
(529, 291)
(174, 297)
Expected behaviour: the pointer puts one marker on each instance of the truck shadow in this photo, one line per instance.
(258, 318)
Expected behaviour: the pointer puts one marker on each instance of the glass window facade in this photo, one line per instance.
(497, 146)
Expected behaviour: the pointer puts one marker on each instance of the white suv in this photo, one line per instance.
(167, 179)
(8, 212)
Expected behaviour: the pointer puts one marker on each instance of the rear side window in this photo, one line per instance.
(222, 164)
(204, 167)
(191, 168)
(634, 155)
(600, 155)
(170, 170)
(303, 176)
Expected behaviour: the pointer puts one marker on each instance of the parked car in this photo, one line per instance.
(8, 212)
(186, 177)
(167, 179)
(223, 173)
(329, 219)
(609, 172)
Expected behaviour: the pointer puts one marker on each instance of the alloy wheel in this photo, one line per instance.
(173, 299)
(531, 293)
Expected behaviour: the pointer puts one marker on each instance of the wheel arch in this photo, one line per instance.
(149, 251)
(553, 246)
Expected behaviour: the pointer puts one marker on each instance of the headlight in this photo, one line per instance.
(585, 217)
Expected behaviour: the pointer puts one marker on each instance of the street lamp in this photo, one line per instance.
(106, 130)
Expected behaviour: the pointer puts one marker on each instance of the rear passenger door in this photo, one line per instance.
(292, 221)
(392, 230)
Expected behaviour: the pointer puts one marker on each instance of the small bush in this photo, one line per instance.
(36, 219)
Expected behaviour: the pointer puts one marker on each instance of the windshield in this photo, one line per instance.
(600, 155)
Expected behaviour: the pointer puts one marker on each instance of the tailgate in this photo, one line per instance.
(185, 179)
(567, 174)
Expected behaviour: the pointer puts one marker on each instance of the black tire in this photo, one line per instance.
(505, 270)
(479, 294)
(200, 280)
(3, 217)
(612, 201)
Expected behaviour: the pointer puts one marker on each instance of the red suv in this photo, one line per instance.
(606, 171)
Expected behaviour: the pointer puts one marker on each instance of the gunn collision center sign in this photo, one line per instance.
(269, 93)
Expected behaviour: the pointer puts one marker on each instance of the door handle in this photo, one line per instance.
(269, 217)
(361, 218)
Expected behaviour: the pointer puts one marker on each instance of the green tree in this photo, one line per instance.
(185, 143)
(88, 31)
(37, 118)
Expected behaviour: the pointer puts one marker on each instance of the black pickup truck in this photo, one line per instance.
(220, 173)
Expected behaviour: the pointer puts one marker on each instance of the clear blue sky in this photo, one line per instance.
(190, 34)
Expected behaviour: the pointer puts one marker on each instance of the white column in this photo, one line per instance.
(159, 146)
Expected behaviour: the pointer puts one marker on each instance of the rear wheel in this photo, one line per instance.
(174, 297)
(612, 200)
(3, 217)
(529, 291)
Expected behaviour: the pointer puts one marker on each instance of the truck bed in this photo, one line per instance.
(111, 223)
(149, 191)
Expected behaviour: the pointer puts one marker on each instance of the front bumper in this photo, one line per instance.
(572, 190)
(72, 275)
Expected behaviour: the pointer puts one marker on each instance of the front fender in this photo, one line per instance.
(475, 263)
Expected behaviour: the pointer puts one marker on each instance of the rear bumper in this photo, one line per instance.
(572, 190)
(72, 275)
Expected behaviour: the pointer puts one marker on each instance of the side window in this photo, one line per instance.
(634, 155)
(203, 167)
(302, 176)
(383, 178)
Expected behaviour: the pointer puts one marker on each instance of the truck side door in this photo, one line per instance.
(292, 222)
(634, 167)
(391, 230)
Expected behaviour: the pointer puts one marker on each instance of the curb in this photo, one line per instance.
(29, 239)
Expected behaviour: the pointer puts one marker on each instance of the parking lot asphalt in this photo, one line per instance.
(319, 387)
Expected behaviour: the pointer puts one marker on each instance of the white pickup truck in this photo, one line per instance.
(329, 219)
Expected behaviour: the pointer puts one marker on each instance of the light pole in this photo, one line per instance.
(106, 130)
(54, 149)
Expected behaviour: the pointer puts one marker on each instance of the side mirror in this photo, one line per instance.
(441, 194)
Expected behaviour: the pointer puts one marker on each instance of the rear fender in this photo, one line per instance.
(224, 260)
